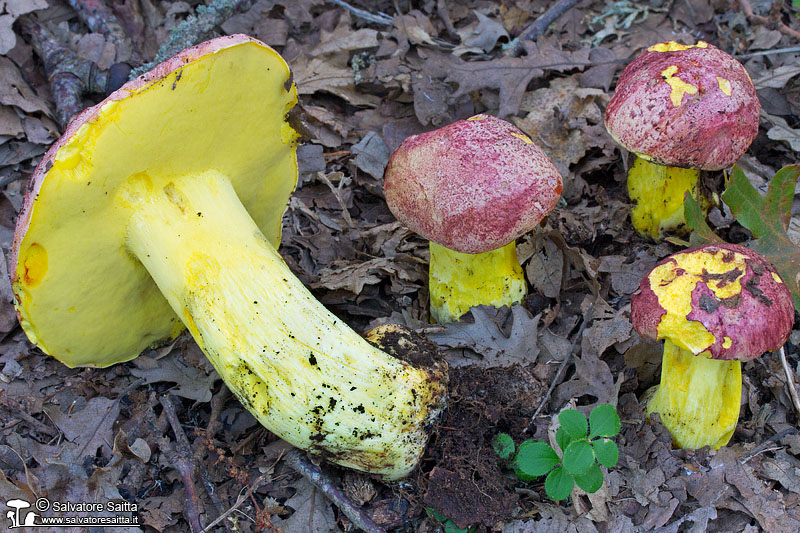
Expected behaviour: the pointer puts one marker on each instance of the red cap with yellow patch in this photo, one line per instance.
(472, 186)
(723, 298)
(690, 106)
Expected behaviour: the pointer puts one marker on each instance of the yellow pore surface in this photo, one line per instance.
(673, 283)
(82, 297)
(657, 192)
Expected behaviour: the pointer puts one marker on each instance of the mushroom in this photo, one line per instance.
(161, 208)
(680, 109)
(715, 306)
(471, 188)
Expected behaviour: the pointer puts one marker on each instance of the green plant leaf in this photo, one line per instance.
(696, 220)
(604, 421)
(558, 484)
(534, 458)
(503, 445)
(563, 438)
(606, 451)
(436, 515)
(592, 480)
(767, 217)
(578, 457)
(574, 422)
(448, 525)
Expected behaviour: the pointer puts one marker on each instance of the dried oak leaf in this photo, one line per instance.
(553, 518)
(781, 131)
(510, 75)
(485, 337)
(545, 264)
(192, 382)
(312, 513)
(352, 276)
(758, 500)
(91, 427)
(14, 90)
(559, 118)
(481, 36)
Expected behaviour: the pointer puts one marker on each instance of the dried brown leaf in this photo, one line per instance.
(89, 428)
(510, 75)
(484, 336)
(312, 511)
(8, 39)
(481, 36)
(14, 90)
(545, 265)
(192, 382)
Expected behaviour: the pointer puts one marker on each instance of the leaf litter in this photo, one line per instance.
(100, 435)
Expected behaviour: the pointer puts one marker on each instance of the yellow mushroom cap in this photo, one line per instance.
(722, 298)
(220, 105)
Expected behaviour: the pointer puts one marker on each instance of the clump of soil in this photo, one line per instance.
(468, 483)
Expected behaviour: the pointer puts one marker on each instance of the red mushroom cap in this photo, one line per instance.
(472, 186)
(723, 298)
(691, 106)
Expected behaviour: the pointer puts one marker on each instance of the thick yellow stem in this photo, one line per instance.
(458, 281)
(303, 374)
(698, 398)
(657, 192)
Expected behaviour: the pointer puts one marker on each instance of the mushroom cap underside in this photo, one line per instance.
(221, 106)
(690, 106)
(722, 298)
(472, 186)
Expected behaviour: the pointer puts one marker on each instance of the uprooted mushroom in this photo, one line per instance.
(160, 208)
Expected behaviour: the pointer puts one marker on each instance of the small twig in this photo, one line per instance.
(239, 501)
(184, 465)
(217, 404)
(337, 193)
(790, 382)
(766, 443)
(515, 47)
(13, 406)
(587, 316)
(100, 19)
(774, 51)
(314, 474)
(70, 76)
(380, 18)
(771, 21)
(441, 10)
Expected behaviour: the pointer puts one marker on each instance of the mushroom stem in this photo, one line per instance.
(658, 193)
(459, 281)
(698, 398)
(295, 366)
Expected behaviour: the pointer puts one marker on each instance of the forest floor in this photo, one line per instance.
(99, 435)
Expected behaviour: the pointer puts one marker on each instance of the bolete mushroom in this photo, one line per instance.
(715, 306)
(161, 208)
(680, 109)
(471, 188)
